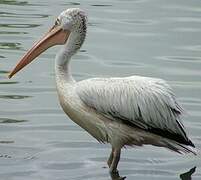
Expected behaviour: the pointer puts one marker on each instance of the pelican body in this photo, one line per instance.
(129, 111)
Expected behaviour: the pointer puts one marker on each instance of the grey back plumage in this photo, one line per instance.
(146, 103)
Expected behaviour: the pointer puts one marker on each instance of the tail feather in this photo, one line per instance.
(177, 147)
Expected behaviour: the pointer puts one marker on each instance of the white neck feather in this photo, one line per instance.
(62, 64)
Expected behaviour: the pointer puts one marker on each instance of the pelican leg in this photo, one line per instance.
(109, 161)
(115, 160)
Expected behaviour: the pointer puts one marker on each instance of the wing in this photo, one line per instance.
(146, 103)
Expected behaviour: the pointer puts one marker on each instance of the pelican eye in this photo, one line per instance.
(57, 22)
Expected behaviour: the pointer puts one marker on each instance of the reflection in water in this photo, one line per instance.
(187, 175)
(184, 176)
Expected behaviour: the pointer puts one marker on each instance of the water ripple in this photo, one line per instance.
(2, 57)
(71, 3)
(12, 32)
(189, 59)
(187, 29)
(5, 25)
(133, 160)
(92, 176)
(5, 156)
(10, 46)
(9, 82)
(14, 2)
(19, 3)
(77, 144)
(184, 8)
(24, 16)
(101, 5)
(124, 63)
(5, 142)
(41, 127)
(192, 101)
(20, 174)
(2, 71)
(8, 120)
(140, 21)
(63, 165)
(146, 172)
(185, 19)
(13, 97)
(30, 112)
(25, 89)
(196, 48)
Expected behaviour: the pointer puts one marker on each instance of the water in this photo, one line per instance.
(154, 38)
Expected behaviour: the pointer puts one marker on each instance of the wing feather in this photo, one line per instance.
(147, 103)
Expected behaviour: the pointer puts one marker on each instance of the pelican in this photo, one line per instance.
(129, 111)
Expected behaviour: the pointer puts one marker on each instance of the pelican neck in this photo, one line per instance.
(62, 67)
(63, 57)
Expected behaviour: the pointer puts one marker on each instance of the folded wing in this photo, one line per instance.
(146, 103)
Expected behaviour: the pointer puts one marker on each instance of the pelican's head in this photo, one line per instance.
(73, 19)
(70, 20)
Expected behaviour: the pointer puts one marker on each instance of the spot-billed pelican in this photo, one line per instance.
(130, 111)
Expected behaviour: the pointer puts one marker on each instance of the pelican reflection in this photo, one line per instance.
(184, 176)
